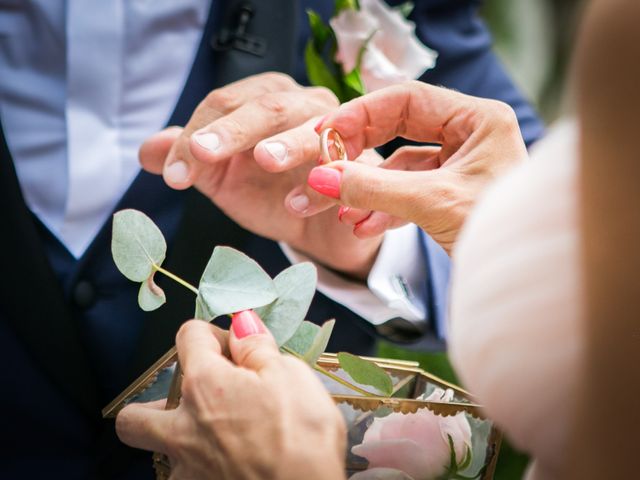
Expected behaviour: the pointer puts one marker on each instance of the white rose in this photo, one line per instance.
(393, 54)
(416, 443)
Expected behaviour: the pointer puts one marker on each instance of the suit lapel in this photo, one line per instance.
(32, 300)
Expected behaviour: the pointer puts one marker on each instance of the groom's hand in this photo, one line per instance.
(249, 147)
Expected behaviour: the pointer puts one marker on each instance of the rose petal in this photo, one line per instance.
(352, 29)
(402, 454)
(381, 474)
(458, 427)
(377, 71)
(394, 54)
(374, 432)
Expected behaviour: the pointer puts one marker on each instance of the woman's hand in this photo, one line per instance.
(432, 186)
(267, 416)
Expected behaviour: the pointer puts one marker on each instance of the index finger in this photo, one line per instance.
(145, 426)
(215, 105)
(413, 110)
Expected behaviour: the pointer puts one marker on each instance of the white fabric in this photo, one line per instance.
(74, 132)
(515, 331)
(397, 281)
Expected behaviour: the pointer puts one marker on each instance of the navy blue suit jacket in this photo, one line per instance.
(71, 334)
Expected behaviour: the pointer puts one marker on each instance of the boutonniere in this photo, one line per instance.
(367, 45)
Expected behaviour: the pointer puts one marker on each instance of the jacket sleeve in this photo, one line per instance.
(466, 61)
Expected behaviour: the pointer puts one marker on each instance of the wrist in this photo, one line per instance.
(353, 263)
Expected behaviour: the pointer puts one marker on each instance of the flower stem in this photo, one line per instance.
(331, 375)
(182, 282)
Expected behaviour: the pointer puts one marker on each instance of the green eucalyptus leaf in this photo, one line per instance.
(318, 72)
(136, 244)
(202, 313)
(320, 342)
(150, 295)
(310, 340)
(232, 282)
(296, 287)
(366, 372)
(302, 339)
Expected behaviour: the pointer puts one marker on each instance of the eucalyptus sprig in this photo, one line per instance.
(232, 282)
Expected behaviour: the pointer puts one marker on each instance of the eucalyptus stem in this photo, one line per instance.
(331, 375)
(176, 278)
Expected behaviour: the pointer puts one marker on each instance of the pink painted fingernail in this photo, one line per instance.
(247, 323)
(318, 126)
(342, 211)
(325, 181)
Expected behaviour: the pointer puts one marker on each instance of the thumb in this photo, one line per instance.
(252, 346)
(400, 193)
(154, 150)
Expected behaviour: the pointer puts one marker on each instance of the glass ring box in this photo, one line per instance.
(427, 429)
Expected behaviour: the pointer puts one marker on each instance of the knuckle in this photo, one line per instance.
(233, 129)
(278, 80)
(275, 107)
(253, 356)
(184, 330)
(222, 100)
(503, 113)
(324, 95)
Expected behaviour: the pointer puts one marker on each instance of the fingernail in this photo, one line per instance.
(247, 323)
(299, 203)
(277, 150)
(318, 126)
(342, 211)
(359, 224)
(177, 172)
(326, 181)
(207, 140)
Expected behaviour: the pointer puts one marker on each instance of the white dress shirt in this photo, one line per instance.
(84, 82)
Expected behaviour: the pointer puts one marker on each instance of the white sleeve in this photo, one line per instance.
(396, 286)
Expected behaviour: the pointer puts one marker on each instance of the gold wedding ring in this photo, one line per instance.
(331, 146)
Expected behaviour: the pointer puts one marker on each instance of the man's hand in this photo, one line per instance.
(268, 416)
(249, 147)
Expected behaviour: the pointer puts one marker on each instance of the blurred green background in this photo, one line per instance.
(535, 39)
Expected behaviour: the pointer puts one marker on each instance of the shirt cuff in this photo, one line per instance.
(396, 286)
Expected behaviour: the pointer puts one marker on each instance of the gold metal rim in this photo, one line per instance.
(330, 135)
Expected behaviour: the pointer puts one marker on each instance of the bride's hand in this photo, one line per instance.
(267, 416)
(432, 186)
